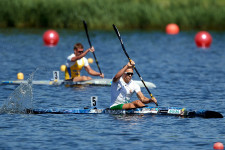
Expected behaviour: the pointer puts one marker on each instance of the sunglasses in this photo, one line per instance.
(80, 52)
(129, 73)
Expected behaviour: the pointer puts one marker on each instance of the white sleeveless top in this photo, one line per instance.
(121, 92)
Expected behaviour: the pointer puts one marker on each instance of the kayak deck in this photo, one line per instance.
(176, 111)
(93, 82)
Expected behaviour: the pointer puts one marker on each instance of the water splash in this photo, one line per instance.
(21, 98)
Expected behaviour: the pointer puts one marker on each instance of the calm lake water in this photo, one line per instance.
(185, 76)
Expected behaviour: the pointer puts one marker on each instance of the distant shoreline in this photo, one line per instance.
(101, 14)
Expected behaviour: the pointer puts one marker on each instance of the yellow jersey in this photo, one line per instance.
(73, 68)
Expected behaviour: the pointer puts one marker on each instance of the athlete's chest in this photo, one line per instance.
(125, 88)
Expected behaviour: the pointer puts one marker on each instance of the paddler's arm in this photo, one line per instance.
(92, 72)
(121, 72)
(144, 99)
(83, 54)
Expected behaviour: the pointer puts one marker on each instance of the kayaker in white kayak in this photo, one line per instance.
(123, 87)
(76, 61)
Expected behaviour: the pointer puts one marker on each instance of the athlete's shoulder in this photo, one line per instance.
(71, 55)
(85, 58)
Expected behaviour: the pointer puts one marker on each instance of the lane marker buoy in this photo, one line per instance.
(20, 76)
(172, 28)
(63, 68)
(90, 60)
(218, 145)
(51, 38)
(203, 39)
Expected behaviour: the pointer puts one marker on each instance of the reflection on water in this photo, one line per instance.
(129, 117)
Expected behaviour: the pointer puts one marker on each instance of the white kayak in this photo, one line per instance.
(93, 82)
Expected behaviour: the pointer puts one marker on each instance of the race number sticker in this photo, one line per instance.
(55, 75)
(174, 111)
(94, 100)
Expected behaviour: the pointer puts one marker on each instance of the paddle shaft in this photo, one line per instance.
(85, 26)
(118, 34)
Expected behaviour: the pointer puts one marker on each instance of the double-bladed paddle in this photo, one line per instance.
(118, 34)
(86, 29)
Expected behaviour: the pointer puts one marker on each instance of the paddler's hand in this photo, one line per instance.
(131, 63)
(153, 99)
(102, 75)
(92, 49)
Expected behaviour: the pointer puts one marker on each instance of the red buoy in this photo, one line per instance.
(172, 28)
(51, 38)
(218, 145)
(203, 39)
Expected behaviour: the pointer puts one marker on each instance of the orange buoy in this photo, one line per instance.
(172, 28)
(218, 145)
(203, 39)
(51, 38)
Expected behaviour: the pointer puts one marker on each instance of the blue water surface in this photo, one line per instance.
(185, 76)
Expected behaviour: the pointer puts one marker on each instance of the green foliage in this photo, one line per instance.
(101, 14)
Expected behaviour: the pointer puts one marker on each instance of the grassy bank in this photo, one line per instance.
(101, 14)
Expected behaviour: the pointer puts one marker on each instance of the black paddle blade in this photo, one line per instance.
(117, 31)
(213, 114)
(86, 30)
(85, 25)
(209, 114)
